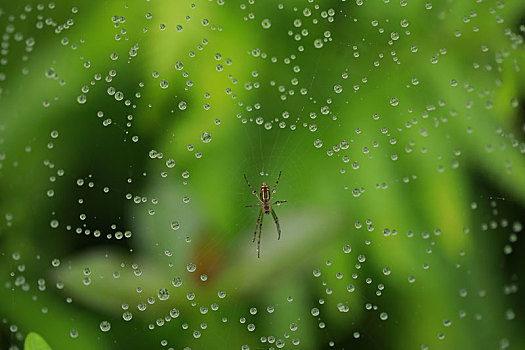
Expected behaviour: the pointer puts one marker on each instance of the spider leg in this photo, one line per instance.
(279, 202)
(253, 191)
(276, 219)
(276, 182)
(259, 219)
(253, 205)
(259, 240)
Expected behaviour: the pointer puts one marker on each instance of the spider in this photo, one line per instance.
(266, 208)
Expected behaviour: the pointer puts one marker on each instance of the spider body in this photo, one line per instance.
(265, 196)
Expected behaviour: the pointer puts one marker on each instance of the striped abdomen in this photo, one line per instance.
(264, 196)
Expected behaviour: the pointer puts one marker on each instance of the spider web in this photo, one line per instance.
(396, 128)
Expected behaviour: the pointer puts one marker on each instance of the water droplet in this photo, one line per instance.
(394, 101)
(127, 316)
(81, 99)
(266, 23)
(105, 326)
(177, 282)
(174, 313)
(54, 223)
(163, 294)
(206, 137)
(191, 267)
(170, 163)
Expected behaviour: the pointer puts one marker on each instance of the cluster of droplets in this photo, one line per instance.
(176, 314)
(299, 31)
(332, 281)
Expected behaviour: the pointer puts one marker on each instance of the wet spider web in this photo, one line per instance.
(125, 130)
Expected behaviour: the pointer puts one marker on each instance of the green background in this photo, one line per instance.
(417, 165)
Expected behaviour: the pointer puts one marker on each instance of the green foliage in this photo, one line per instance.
(35, 342)
(398, 126)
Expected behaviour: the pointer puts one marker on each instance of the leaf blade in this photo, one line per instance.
(35, 342)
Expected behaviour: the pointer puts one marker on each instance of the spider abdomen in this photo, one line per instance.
(264, 194)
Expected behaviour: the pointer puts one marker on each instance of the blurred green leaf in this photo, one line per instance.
(35, 342)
